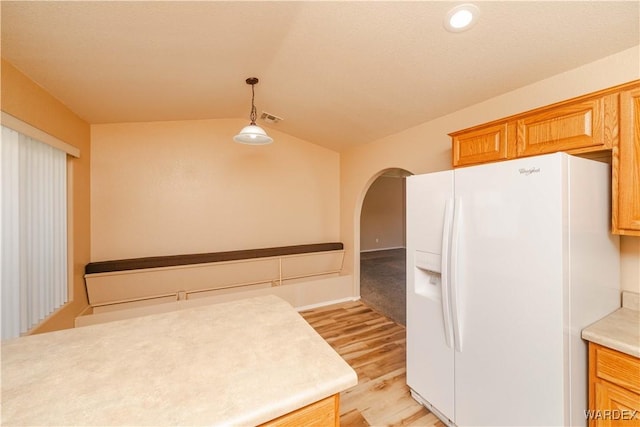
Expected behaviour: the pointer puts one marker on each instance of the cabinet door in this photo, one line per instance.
(618, 406)
(626, 167)
(588, 125)
(483, 145)
(614, 387)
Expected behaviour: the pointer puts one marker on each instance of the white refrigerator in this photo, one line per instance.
(506, 264)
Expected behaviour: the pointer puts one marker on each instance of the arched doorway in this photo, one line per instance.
(382, 245)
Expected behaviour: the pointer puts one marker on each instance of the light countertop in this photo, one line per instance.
(237, 363)
(621, 329)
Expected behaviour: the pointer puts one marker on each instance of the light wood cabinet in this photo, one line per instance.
(485, 144)
(578, 126)
(323, 413)
(586, 124)
(604, 125)
(626, 166)
(614, 388)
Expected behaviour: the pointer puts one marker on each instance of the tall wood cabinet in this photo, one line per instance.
(604, 125)
(626, 166)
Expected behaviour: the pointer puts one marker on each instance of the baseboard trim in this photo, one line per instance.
(326, 303)
(382, 249)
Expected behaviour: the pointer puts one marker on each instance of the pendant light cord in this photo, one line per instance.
(253, 115)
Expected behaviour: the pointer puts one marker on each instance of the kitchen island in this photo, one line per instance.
(239, 363)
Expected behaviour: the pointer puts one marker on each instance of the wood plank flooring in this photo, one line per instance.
(375, 347)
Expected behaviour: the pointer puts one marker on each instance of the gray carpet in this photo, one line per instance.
(383, 282)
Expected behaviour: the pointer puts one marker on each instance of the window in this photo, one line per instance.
(33, 239)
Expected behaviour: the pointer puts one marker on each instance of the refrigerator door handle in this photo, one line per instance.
(444, 269)
(453, 276)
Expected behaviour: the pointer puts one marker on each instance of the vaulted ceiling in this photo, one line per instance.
(339, 73)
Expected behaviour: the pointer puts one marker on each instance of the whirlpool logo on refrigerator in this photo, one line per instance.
(528, 171)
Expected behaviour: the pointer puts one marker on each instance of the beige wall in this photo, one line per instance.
(382, 219)
(23, 99)
(181, 187)
(426, 148)
(630, 263)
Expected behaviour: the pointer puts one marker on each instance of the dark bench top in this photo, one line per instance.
(173, 260)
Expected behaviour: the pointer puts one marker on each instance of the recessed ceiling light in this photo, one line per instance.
(461, 17)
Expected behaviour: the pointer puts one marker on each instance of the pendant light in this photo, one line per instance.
(253, 134)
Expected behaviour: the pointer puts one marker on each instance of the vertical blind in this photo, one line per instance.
(33, 240)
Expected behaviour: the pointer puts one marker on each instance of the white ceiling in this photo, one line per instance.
(339, 73)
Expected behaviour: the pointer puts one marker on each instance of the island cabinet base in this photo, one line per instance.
(614, 388)
(323, 413)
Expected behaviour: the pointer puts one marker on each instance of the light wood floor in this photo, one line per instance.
(375, 348)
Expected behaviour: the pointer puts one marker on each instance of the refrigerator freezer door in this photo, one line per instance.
(510, 293)
(429, 351)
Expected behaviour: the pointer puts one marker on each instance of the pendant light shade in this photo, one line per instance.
(253, 134)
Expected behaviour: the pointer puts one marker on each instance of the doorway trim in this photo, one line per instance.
(357, 217)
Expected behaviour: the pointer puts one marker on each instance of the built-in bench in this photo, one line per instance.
(143, 283)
